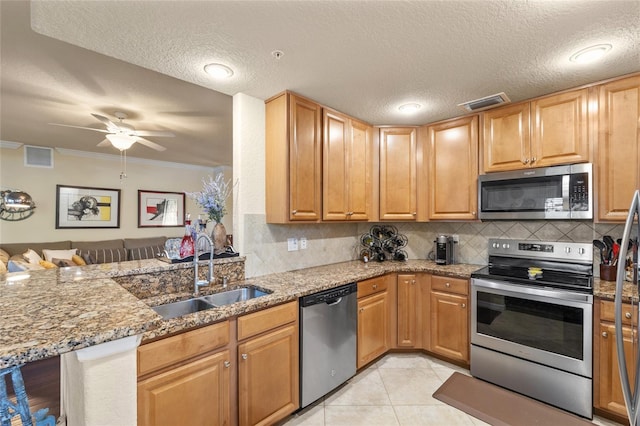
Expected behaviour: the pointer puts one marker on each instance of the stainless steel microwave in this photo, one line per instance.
(559, 192)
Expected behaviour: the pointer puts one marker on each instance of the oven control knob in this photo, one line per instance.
(505, 246)
(580, 250)
(567, 250)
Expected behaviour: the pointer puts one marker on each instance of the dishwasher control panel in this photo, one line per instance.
(329, 295)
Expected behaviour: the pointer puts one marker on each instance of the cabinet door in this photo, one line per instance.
(373, 327)
(450, 325)
(560, 129)
(398, 163)
(453, 169)
(305, 167)
(506, 143)
(618, 163)
(335, 153)
(608, 382)
(360, 171)
(196, 393)
(268, 372)
(408, 320)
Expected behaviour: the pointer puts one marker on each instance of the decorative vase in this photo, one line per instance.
(219, 237)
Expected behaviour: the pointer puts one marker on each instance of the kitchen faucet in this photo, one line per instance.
(197, 283)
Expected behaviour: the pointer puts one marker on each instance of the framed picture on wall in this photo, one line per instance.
(156, 209)
(85, 207)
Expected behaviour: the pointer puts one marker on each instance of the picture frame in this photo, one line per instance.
(160, 209)
(87, 207)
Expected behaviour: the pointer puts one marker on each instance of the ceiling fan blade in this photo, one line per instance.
(150, 144)
(80, 127)
(110, 124)
(105, 142)
(153, 133)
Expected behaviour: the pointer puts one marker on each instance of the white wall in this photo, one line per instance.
(102, 172)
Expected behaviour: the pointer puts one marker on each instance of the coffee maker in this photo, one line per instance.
(445, 251)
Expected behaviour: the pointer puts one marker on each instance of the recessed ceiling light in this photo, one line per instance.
(590, 53)
(409, 108)
(218, 70)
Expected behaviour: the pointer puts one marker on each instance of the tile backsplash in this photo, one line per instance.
(265, 244)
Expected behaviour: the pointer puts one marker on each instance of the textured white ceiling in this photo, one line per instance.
(364, 58)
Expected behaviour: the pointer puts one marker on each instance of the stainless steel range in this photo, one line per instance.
(532, 321)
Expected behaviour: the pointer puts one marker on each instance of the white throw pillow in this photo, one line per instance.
(58, 254)
(32, 257)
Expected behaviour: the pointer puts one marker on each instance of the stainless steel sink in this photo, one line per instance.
(232, 296)
(197, 304)
(178, 309)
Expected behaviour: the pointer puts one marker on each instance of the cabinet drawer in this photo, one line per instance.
(259, 322)
(608, 310)
(371, 286)
(449, 285)
(172, 350)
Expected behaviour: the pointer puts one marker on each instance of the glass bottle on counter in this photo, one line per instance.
(187, 245)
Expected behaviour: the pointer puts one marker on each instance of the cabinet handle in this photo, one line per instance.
(227, 364)
(361, 310)
(533, 160)
(447, 285)
(374, 286)
(294, 212)
(464, 305)
(525, 161)
(627, 315)
(414, 213)
(244, 356)
(350, 213)
(413, 281)
(473, 213)
(605, 334)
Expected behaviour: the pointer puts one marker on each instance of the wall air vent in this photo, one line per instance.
(486, 102)
(38, 156)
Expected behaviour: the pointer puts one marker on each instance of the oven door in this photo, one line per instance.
(552, 327)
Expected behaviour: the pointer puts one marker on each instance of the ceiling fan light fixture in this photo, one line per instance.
(121, 142)
(590, 54)
(218, 71)
(409, 108)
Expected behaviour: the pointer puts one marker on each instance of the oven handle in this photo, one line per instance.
(540, 292)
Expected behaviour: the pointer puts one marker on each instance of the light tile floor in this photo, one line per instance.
(396, 390)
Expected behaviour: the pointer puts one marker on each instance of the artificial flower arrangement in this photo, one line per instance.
(213, 197)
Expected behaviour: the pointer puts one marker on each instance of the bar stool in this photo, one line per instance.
(10, 409)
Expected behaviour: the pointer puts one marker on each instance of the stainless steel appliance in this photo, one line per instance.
(631, 398)
(532, 321)
(445, 253)
(328, 327)
(560, 192)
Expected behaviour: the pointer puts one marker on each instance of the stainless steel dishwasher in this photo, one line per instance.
(328, 327)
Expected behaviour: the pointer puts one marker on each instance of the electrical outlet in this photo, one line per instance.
(455, 238)
(292, 244)
(303, 243)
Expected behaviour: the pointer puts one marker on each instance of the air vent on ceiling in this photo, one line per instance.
(486, 102)
(38, 156)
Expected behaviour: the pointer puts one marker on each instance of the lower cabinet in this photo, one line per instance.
(607, 394)
(196, 393)
(409, 313)
(268, 366)
(449, 325)
(185, 379)
(374, 318)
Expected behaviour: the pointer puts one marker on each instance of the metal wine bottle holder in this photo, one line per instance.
(383, 242)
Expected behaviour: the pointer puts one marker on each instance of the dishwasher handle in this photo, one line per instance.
(338, 300)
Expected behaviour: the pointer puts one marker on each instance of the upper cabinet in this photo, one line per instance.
(618, 163)
(545, 132)
(398, 173)
(452, 158)
(347, 187)
(293, 155)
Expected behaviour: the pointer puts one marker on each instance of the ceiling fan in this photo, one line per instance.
(122, 135)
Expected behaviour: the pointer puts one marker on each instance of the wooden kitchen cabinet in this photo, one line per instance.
(268, 365)
(398, 173)
(374, 318)
(347, 187)
(544, 132)
(293, 159)
(409, 311)
(452, 157)
(449, 326)
(607, 389)
(186, 378)
(618, 162)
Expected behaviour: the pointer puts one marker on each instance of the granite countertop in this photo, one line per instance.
(607, 290)
(51, 312)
